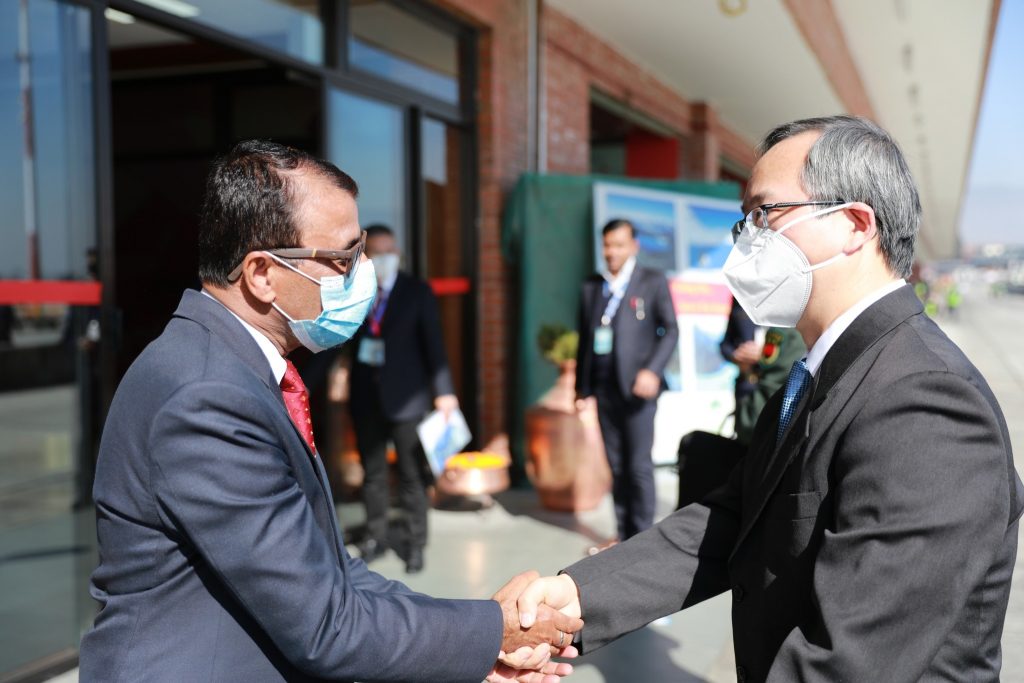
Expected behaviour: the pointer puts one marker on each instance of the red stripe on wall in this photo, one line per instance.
(71, 292)
(449, 286)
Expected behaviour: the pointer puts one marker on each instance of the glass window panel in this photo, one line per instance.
(48, 388)
(366, 139)
(47, 194)
(402, 48)
(47, 351)
(440, 168)
(289, 26)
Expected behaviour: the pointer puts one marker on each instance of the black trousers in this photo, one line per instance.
(627, 427)
(373, 429)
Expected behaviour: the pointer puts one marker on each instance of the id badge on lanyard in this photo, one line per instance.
(604, 336)
(604, 340)
(371, 352)
(371, 348)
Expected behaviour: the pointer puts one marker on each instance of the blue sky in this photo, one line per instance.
(993, 205)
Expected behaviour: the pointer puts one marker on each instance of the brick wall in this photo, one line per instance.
(573, 62)
(502, 155)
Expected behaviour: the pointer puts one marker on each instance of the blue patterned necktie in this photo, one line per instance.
(796, 385)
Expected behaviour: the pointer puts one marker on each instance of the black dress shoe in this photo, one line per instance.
(370, 550)
(414, 563)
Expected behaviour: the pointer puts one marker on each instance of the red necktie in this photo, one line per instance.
(296, 399)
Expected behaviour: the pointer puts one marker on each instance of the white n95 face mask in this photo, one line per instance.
(769, 275)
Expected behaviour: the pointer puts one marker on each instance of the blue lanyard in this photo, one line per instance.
(613, 305)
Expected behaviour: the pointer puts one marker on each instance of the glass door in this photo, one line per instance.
(366, 139)
(49, 330)
(448, 245)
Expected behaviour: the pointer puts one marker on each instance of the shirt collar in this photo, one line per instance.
(278, 365)
(618, 282)
(828, 338)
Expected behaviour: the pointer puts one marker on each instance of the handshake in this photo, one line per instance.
(541, 616)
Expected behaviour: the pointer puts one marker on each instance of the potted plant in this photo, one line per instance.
(566, 463)
(558, 345)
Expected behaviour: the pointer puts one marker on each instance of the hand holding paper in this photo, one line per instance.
(443, 436)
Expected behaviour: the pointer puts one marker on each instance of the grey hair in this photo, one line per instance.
(854, 160)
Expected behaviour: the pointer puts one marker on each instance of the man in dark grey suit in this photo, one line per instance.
(870, 534)
(627, 333)
(399, 374)
(220, 553)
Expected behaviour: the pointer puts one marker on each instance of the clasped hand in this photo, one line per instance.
(530, 639)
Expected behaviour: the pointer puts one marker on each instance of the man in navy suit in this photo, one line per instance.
(627, 328)
(220, 553)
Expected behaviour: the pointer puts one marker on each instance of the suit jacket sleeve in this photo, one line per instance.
(920, 514)
(675, 564)
(735, 332)
(665, 317)
(583, 351)
(432, 343)
(223, 483)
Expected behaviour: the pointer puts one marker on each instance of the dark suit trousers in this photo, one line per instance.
(373, 429)
(628, 431)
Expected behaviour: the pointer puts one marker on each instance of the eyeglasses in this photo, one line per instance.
(757, 218)
(346, 260)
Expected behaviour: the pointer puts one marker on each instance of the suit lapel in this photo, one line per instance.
(215, 317)
(597, 302)
(868, 328)
(398, 291)
(625, 306)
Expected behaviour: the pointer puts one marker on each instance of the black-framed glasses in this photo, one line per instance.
(757, 218)
(346, 260)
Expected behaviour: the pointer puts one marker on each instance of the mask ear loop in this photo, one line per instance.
(813, 214)
(293, 268)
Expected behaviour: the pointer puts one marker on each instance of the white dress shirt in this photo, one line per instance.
(825, 342)
(618, 283)
(278, 366)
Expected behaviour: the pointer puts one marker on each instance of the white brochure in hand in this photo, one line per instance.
(443, 438)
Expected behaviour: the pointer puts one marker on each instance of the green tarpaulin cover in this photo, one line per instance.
(548, 237)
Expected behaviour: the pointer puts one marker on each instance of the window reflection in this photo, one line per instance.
(48, 213)
(366, 139)
(402, 48)
(443, 186)
(289, 26)
(47, 202)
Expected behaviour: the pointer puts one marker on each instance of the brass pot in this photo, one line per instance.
(474, 474)
(567, 463)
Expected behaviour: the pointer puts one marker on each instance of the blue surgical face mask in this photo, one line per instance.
(346, 302)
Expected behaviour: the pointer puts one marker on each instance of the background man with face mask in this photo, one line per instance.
(870, 532)
(399, 373)
(627, 333)
(220, 553)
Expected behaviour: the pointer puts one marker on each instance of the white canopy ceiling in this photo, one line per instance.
(921, 62)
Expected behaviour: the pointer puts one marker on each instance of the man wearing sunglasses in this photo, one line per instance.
(870, 532)
(220, 553)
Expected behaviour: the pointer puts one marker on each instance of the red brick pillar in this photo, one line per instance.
(701, 149)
